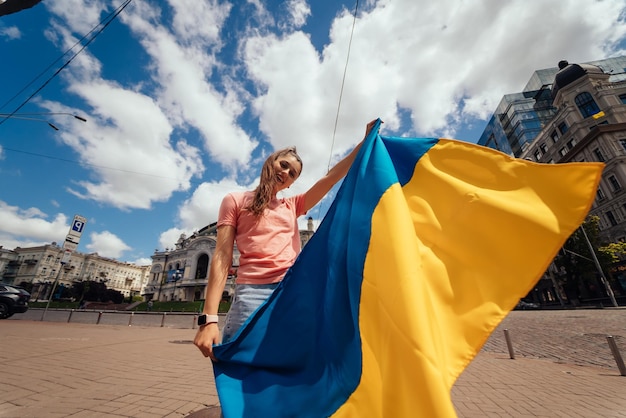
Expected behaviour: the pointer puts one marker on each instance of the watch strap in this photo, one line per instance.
(205, 319)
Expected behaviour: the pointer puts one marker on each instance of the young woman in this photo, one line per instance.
(265, 229)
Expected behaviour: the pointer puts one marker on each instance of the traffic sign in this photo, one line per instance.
(73, 237)
(78, 224)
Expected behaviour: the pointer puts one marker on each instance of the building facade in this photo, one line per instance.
(181, 273)
(41, 266)
(589, 124)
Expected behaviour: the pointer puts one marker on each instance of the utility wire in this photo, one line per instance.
(82, 163)
(343, 82)
(107, 21)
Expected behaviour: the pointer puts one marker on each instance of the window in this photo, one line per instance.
(622, 97)
(623, 143)
(563, 151)
(537, 155)
(600, 195)
(571, 143)
(543, 148)
(598, 153)
(611, 218)
(563, 128)
(554, 136)
(615, 183)
(586, 104)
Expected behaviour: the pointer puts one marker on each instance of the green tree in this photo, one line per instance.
(114, 296)
(94, 291)
(615, 251)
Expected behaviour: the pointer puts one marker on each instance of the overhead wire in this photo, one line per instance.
(82, 163)
(102, 26)
(343, 82)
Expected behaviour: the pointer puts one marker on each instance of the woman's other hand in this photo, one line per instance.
(207, 336)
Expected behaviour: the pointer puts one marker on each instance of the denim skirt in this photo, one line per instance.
(247, 299)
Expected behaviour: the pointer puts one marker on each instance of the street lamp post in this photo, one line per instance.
(604, 281)
(54, 285)
(176, 276)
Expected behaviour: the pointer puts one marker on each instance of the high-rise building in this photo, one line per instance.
(520, 117)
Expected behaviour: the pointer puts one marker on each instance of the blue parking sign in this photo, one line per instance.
(78, 225)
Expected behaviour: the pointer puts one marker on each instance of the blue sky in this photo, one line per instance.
(184, 99)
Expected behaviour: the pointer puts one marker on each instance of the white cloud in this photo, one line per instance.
(29, 227)
(168, 238)
(11, 32)
(144, 261)
(183, 71)
(81, 15)
(299, 11)
(107, 244)
(415, 56)
(135, 162)
(131, 132)
(199, 210)
(199, 20)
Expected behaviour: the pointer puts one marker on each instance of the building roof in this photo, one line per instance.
(568, 73)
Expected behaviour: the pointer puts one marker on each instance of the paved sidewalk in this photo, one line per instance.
(52, 369)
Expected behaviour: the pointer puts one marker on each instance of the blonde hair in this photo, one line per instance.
(264, 192)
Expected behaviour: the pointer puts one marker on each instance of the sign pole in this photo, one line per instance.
(71, 243)
(54, 285)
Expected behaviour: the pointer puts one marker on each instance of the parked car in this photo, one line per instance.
(522, 305)
(13, 300)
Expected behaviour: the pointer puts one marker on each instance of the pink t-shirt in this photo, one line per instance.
(268, 244)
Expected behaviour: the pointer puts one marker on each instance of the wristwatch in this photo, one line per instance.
(207, 319)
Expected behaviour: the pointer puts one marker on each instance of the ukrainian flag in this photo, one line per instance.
(428, 245)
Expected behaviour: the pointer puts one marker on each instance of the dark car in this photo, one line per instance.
(12, 300)
(522, 305)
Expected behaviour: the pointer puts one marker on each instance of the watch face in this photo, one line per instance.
(202, 319)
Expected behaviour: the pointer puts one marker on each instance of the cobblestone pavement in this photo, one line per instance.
(564, 336)
(52, 368)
